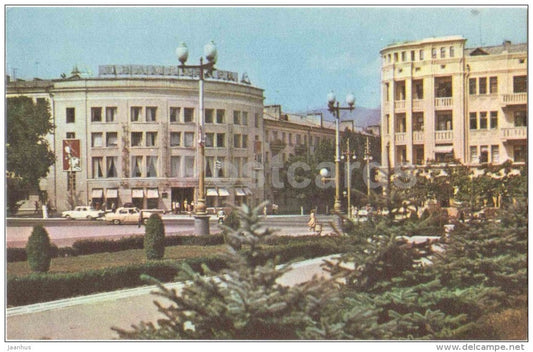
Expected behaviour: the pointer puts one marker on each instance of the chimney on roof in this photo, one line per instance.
(506, 43)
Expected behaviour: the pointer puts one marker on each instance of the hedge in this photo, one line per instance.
(37, 287)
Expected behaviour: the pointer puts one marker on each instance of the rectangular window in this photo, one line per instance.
(484, 154)
(96, 114)
(188, 115)
(444, 122)
(418, 121)
(189, 139)
(151, 166)
(174, 114)
(482, 85)
(97, 167)
(387, 125)
(175, 139)
(434, 53)
(412, 55)
(151, 114)
(493, 85)
(257, 121)
(221, 140)
(221, 116)
(244, 118)
(520, 153)
(483, 120)
(110, 114)
(71, 135)
(237, 141)
(404, 57)
(495, 154)
(111, 139)
(520, 118)
(209, 139)
(136, 166)
(209, 115)
(71, 115)
(493, 119)
(472, 86)
(473, 154)
(452, 51)
(135, 113)
(175, 163)
(442, 53)
(421, 54)
(418, 89)
(244, 141)
(236, 117)
(111, 166)
(151, 139)
(97, 139)
(136, 139)
(473, 121)
(520, 84)
(219, 167)
(189, 166)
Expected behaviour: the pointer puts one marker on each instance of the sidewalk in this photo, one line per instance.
(91, 317)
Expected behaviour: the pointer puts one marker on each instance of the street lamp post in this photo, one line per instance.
(368, 159)
(201, 219)
(334, 108)
(349, 156)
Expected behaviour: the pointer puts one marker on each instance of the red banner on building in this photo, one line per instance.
(71, 155)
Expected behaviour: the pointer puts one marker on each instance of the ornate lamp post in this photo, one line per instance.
(334, 108)
(201, 219)
(349, 155)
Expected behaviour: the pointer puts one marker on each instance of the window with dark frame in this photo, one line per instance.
(71, 115)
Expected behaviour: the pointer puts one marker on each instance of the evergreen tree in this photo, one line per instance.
(154, 238)
(38, 250)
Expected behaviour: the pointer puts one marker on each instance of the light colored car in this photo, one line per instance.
(82, 212)
(127, 215)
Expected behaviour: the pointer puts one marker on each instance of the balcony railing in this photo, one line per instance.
(399, 105)
(418, 136)
(514, 133)
(515, 98)
(418, 104)
(444, 136)
(444, 102)
(400, 137)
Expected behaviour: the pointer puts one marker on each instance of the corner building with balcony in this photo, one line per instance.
(442, 101)
(135, 131)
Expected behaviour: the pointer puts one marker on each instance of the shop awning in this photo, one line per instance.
(211, 192)
(152, 193)
(223, 192)
(97, 193)
(111, 193)
(137, 193)
(445, 149)
(247, 191)
(240, 192)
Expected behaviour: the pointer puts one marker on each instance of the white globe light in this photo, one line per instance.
(182, 52)
(210, 52)
(324, 172)
(331, 97)
(350, 99)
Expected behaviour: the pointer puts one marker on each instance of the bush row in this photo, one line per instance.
(84, 247)
(43, 287)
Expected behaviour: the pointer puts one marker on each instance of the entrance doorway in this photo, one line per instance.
(184, 196)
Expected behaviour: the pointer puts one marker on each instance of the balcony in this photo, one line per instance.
(443, 103)
(444, 136)
(418, 136)
(400, 137)
(514, 133)
(418, 104)
(399, 105)
(514, 99)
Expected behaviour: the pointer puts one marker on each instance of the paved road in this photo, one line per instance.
(91, 317)
(65, 232)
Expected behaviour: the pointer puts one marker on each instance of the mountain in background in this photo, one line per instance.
(363, 117)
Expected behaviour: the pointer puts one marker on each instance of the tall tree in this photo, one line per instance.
(28, 153)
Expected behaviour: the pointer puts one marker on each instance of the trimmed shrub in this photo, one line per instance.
(154, 238)
(38, 250)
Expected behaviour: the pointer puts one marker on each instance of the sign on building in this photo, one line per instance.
(71, 155)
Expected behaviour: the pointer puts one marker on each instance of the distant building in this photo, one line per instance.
(133, 131)
(443, 101)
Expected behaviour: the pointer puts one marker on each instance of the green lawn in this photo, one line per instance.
(109, 260)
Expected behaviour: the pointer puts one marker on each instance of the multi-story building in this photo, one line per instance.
(132, 137)
(443, 101)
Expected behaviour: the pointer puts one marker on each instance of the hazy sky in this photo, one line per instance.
(296, 54)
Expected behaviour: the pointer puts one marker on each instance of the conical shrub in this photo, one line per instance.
(38, 250)
(154, 238)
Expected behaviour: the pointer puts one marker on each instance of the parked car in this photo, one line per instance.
(83, 212)
(129, 215)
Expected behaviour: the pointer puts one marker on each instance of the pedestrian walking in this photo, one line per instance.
(312, 221)
(36, 207)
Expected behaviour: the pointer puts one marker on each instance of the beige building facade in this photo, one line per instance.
(133, 134)
(443, 101)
